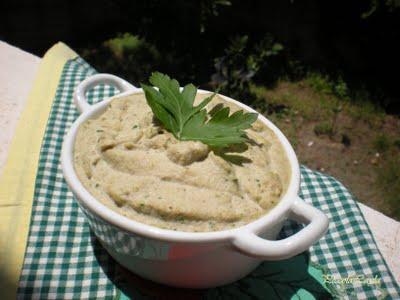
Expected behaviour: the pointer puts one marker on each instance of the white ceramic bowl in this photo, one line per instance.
(185, 259)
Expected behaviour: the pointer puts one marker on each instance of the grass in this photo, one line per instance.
(320, 83)
(291, 95)
(309, 109)
(367, 111)
(381, 143)
(317, 97)
(324, 128)
(324, 85)
(359, 105)
(389, 182)
(397, 143)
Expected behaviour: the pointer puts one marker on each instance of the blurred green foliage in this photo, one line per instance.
(127, 54)
(125, 43)
(229, 45)
(389, 5)
(241, 61)
(325, 85)
(210, 8)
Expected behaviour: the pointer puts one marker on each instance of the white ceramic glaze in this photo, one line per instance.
(185, 259)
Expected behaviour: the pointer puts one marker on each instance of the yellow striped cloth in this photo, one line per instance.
(18, 178)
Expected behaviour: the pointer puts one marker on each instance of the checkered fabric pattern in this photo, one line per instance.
(63, 260)
(348, 250)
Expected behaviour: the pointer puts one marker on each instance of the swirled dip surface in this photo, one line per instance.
(126, 160)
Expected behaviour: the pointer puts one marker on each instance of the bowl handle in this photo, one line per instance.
(252, 245)
(89, 83)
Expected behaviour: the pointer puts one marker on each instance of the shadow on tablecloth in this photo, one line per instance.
(286, 279)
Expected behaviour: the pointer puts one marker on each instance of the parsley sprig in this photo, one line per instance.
(185, 121)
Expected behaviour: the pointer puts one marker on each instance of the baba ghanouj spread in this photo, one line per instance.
(138, 166)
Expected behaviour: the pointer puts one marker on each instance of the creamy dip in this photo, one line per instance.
(126, 160)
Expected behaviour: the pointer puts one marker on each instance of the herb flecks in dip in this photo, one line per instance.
(130, 163)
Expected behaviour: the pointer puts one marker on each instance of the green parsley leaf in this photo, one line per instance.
(187, 122)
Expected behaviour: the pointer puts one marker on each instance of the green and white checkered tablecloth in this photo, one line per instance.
(63, 259)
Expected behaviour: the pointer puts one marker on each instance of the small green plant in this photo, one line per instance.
(325, 85)
(123, 43)
(381, 143)
(324, 128)
(320, 83)
(340, 89)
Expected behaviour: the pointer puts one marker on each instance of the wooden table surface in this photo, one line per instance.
(17, 72)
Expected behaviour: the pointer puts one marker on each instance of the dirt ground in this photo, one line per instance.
(359, 146)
